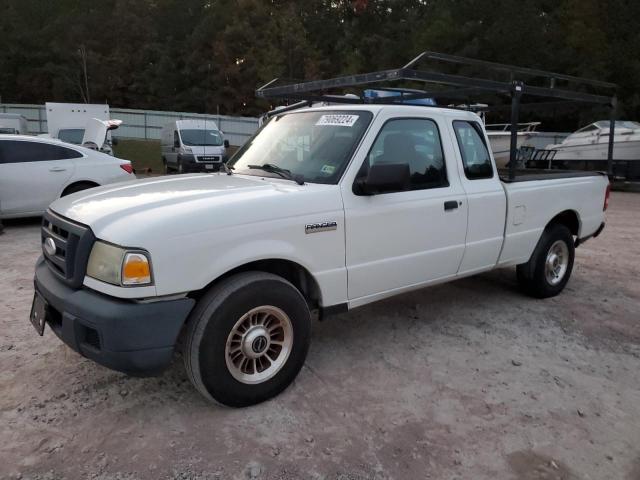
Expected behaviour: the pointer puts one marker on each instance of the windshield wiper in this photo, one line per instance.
(283, 172)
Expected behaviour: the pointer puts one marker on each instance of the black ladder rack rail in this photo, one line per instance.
(458, 86)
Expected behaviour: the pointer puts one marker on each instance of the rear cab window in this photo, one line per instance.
(476, 159)
(71, 135)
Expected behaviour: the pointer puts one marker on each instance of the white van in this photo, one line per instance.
(192, 146)
(13, 123)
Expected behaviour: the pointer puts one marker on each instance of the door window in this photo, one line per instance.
(475, 154)
(19, 151)
(412, 141)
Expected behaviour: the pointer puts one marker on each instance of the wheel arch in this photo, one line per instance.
(568, 218)
(75, 182)
(299, 276)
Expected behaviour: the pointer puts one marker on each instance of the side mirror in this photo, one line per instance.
(226, 144)
(384, 178)
(176, 144)
(114, 141)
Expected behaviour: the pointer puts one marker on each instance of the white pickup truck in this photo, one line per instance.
(324, 210)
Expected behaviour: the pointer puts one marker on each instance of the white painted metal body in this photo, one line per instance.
(13, 123)
(28, 187)
(199, 227)
(62, 116)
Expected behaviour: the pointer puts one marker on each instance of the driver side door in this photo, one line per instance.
(402, 240)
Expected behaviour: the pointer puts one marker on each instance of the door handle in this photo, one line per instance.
(451, 205)
(57, 169)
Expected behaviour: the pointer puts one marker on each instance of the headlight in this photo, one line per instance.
(119, 266)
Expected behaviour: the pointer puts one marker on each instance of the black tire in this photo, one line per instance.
(180, 168)
(77, 187)
(212, 321)
(532, 276)
(167, 170)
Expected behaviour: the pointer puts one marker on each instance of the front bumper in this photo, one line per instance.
(131, 337)
(194, 164)
(201, 167)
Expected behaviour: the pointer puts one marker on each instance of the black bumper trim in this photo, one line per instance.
(134, 338)
(580, 241)
(201, 167)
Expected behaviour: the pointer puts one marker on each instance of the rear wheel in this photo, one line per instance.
(549, 269)
(247, 339)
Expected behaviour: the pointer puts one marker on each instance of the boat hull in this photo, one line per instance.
(628, 150)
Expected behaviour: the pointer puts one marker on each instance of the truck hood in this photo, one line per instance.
(186, 204)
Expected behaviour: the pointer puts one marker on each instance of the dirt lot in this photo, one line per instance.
(466, 380)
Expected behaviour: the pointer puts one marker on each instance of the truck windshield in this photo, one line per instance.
(201, 137)
(71, 135)
(313, 146)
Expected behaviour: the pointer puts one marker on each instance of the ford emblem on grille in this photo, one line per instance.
(49, 246)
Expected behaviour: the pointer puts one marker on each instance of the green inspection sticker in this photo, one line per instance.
(328, 169)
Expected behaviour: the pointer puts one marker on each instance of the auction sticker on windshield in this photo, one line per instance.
(337, 120)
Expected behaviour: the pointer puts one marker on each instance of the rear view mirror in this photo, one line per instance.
(176, 143)
(384, 178)
(226, 144)
(114, 141)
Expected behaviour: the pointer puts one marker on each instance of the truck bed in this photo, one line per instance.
(535, 196)
(531, 174)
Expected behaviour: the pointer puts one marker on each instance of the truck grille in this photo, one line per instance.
(209, 158)
(73, 244)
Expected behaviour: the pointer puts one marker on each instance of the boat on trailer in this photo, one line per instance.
(591, 143)
(587, 148)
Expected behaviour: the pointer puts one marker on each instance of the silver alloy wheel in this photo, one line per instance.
(557, 262)
(259, 344)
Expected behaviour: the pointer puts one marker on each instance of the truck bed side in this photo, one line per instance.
(532, 203)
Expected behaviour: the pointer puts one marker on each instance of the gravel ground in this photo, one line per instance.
(466, 380)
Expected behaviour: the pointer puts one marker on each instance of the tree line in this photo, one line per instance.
(210, 55)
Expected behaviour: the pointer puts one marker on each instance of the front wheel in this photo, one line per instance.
(549, 268)
(247, 339)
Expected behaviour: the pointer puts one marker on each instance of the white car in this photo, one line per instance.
(35, 171)
(325, 210)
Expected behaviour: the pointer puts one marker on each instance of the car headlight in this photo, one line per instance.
(119, 266)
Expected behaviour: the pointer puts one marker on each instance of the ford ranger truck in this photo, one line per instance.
(323, 210)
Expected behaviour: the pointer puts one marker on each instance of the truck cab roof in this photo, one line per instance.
(400, 110)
